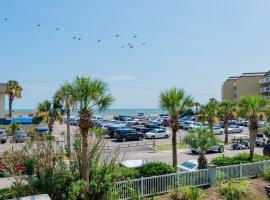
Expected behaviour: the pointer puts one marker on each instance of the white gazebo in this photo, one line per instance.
(2, 100)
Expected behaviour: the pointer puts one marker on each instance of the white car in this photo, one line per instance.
(235, 129)
(261, 139)
(3, 136)
(191, 165)
(194, 125)
(218, 130)
(187, 124)
(157, 133)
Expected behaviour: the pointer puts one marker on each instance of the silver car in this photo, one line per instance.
(3, 136)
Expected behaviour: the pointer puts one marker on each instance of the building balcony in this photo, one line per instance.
(265, 90)
(265, 80)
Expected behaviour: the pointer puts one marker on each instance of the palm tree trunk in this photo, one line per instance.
(211, 127)
(174, 148)
(253, 130)
(50, 127)
(10, 107)
(226, 125)
(202, 162)
(68, 132)
(85, 159)
(85, 124)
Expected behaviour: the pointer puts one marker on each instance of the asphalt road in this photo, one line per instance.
(141, 150)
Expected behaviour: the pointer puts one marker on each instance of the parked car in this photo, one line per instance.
(266, 150)
(235, 129)
(219, 147)
(112, 129)
(126, 134)
(157, 133)
(3, 136)
(240, 142)
(194, 125)
(191, 165)
(186, 124)
(41, 130)
(218, 130)
(262, 123)
(261, 139)
(19, 136)
(147, 128)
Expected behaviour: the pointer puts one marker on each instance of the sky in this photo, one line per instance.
(190, 44)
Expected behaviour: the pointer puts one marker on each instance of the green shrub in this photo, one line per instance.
(234, 189)
(187, 193)
(237, 159)
(155, 169)
(124, 173)
(266, 173)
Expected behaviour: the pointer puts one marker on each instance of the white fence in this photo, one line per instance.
(161, 184)
(165, 183)
(248, 170)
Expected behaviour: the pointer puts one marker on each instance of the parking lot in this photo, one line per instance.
(141, 149)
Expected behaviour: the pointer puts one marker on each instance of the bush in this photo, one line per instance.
(237, 159)
(124, 173)
(266, 173)
(187, 193)
(234, 190)
(155, 169)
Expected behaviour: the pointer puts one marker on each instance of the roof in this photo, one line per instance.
(253, 74)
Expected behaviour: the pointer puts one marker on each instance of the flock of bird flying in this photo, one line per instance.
(129, 45)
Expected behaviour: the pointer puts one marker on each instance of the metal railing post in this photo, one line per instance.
(212, 175)
(178, 184)
(142, 192)
(241, 170)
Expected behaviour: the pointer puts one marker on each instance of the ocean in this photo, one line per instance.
(111, 112)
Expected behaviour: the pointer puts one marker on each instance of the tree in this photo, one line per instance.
(64, 97)
(252, 107)
(174, 101)
(89, 94)
(13, 90)
(13, 127)
(49, 112)
(201, 140)
(226, 111)
(209, 113)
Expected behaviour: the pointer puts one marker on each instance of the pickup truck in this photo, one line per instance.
(147, 128)
(126, 134)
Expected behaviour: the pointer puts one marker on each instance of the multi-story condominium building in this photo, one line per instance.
(265, 85)
(245, 85)
(2, 100)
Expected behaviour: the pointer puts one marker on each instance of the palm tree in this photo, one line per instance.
(13, 127)
(64, 96)
(209, 113)
(252, 107)
(13, 90)
(49, 112)
(174, 101)
(226, 111)
(89, 94)
(201, 140)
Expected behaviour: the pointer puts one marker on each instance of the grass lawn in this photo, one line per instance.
(165, 147)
